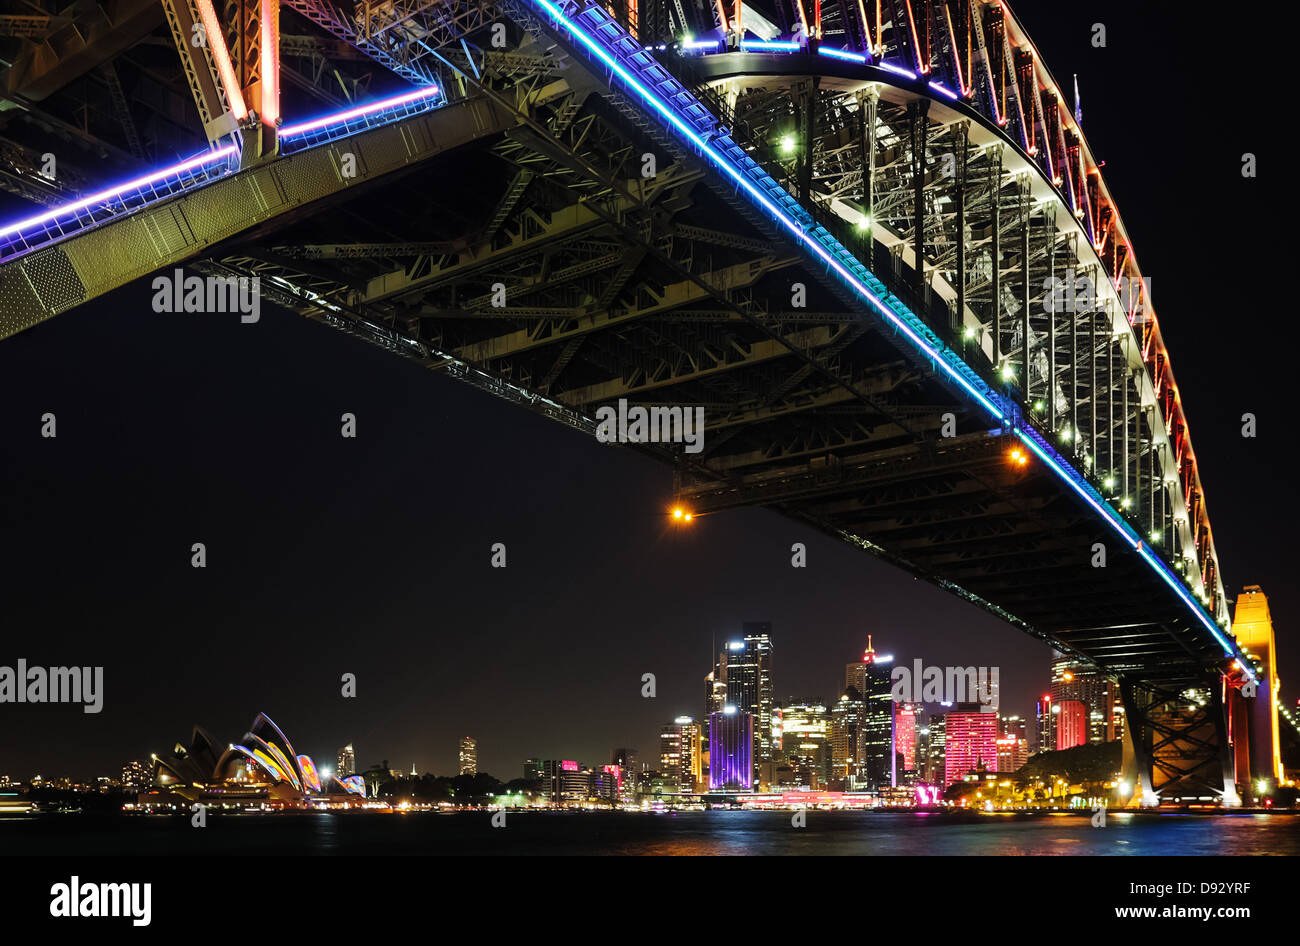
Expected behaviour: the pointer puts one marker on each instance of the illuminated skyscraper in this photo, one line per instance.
(906, 725)
(1046, 728)
(870, 677)
(731, 746)
(1075, 679)
(1013, 752)
(971, 743)
(468, 756)
(936, 742)
(744, 669)
(1071, 723)
(805, 745)
(847, 715)
(347, 762)
(680, 753)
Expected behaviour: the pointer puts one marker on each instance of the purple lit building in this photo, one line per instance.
(731, 750)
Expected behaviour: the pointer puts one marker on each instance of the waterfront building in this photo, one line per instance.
(1071, 723)
(870, 676)
(744, 671)
(970, 737)
(731, 746)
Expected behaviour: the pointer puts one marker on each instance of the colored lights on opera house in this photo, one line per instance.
(261, 769)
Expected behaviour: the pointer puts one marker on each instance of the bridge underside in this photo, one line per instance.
(546, 240)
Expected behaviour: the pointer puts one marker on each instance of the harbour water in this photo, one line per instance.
(713, 832)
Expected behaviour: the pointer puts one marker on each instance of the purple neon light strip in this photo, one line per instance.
(85, 202)
(212, 157)
(343, 117)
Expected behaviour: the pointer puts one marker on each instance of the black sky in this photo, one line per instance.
(371, 556)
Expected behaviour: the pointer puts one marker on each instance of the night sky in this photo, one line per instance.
(371, 556)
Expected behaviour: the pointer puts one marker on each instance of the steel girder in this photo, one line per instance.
(46, 282)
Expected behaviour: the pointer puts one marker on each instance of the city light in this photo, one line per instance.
(1019, 457)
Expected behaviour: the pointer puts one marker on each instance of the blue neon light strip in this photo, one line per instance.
(943, 90)
(779, 45)
(732, 160)
(841, 54)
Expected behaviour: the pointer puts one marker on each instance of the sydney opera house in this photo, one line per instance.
(262, 769)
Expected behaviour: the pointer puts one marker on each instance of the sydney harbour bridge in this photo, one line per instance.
(868, 238)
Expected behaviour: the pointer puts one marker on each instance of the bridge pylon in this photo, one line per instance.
(1254, 708)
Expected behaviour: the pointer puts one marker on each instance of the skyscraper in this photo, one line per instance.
(680, 753)
(1046, 728)
(347, 762)
(1071, 723)
(870, 677)
(906, 724)
(847, 715)
(971, 738)
(1075, 679)
(731, 746)
(744, 669)
(468, 756)
(805, 745)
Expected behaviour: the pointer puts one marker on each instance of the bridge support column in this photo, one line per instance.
(1136, 767)
(1176, 744)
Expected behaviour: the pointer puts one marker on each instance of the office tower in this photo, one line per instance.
(870, 677)
(347, 762)
(907, 724)
(1071, 723)
(971, 742)
(468, 756)
(1046, 724)
(805, 756)
(1013, 752)
(565, 781)
(744, 668)
(1015, 725)
(936, 737)
(670, 751)
(681, 754)
(1075, 679)
(731, 747)
(625, 761)
(715, 691)
(532, 769)
(625, 758)
(847, 715)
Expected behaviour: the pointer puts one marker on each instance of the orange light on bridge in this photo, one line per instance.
(681, 515)
(1019, 457)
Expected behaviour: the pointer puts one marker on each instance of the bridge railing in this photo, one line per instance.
(80, 215)
(318, 131)
(84, 213)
